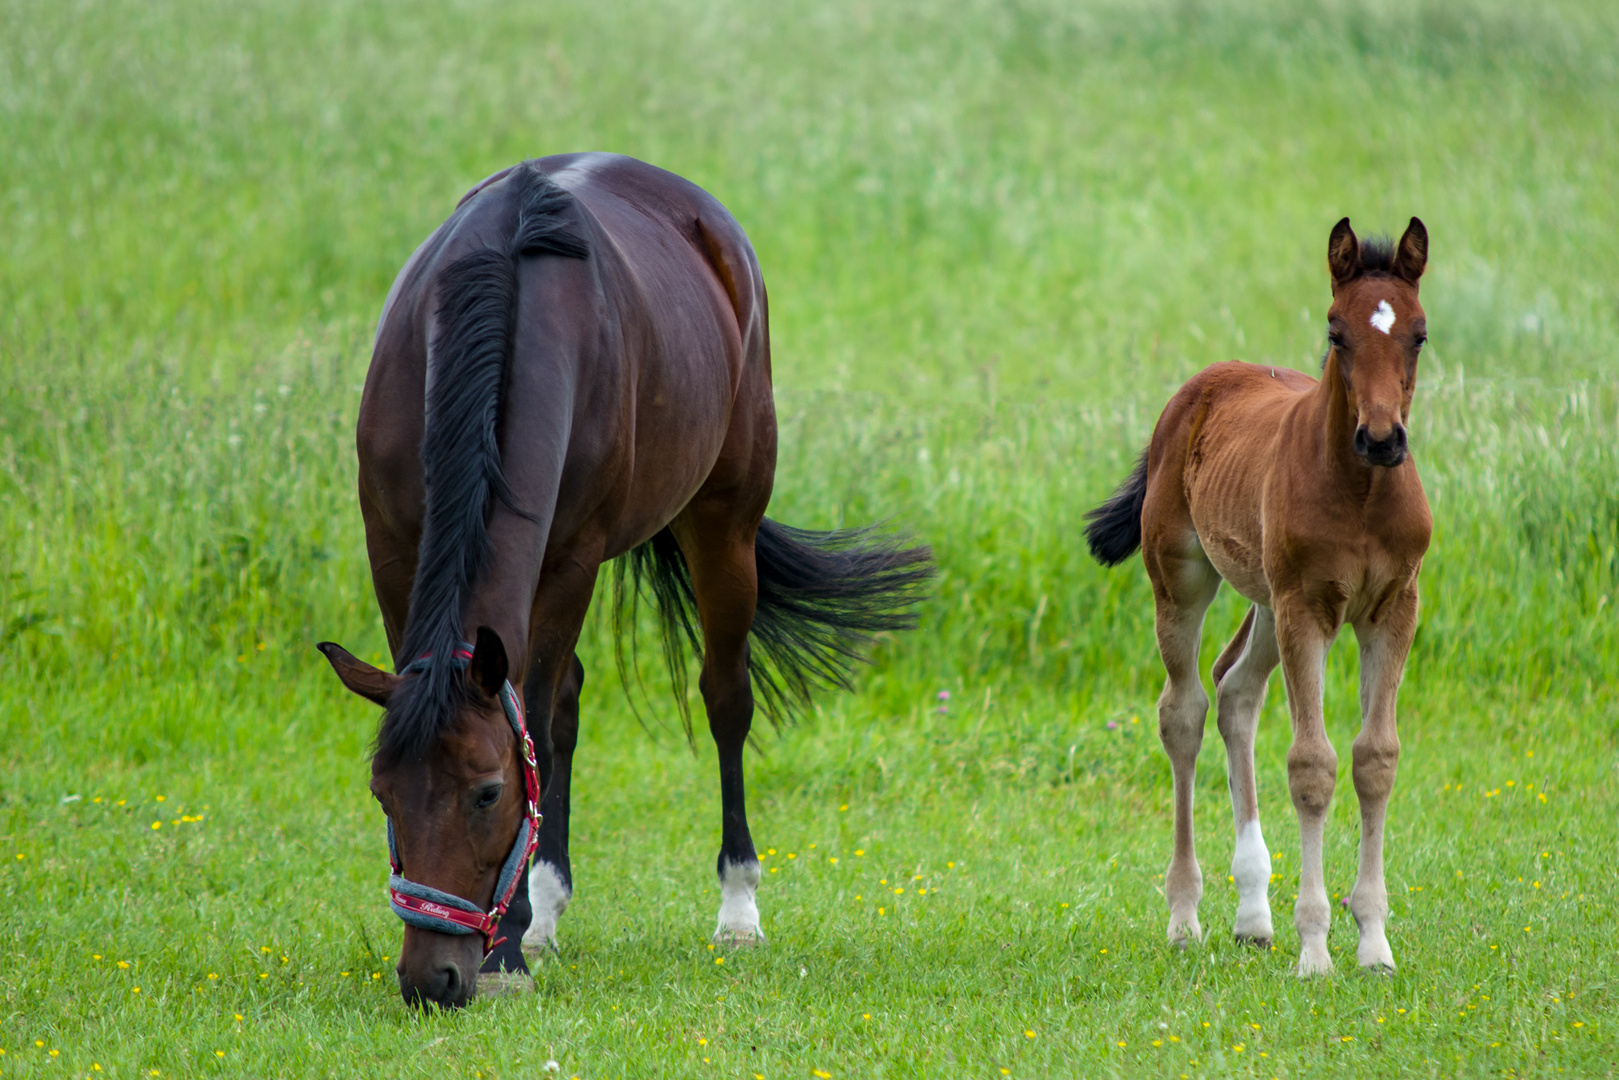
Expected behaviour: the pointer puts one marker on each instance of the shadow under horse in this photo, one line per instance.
(576, 367)
(1304, 496)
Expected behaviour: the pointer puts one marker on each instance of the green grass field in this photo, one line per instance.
(998, 234)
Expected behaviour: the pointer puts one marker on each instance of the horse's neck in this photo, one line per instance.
(1334, 421)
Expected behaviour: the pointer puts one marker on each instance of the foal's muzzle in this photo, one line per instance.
(1387, 451)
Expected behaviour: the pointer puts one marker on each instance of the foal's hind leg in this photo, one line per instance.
(1240, 693)
(1384, 645)
(725, 580)
(1183, 586)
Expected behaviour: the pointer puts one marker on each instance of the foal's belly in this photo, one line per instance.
(1238, 560)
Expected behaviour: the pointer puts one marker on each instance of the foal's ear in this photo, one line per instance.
(1412, 255)
(488, 666)
(1343, 254)
(371, 683)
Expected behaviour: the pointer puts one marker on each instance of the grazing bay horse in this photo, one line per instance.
(1303, 495)
(575, 367)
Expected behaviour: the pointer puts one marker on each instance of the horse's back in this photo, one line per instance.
(1215, 441)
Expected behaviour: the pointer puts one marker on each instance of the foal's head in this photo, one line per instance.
(452, 788)
(1375, 331)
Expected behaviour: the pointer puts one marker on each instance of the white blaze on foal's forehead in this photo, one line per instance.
(1383, 317)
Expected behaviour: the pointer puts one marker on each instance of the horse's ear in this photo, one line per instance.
(488, 665)
(1411, 258)
(371, 683)
(1343, 254)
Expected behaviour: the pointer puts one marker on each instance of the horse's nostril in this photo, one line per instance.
(1363, 440)
(451, 979)
(1399, 437)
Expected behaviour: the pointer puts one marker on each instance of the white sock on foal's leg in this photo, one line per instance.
(1250, 868)
(739, 912)
(548, 896)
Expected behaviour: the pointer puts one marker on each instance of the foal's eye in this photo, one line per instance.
(488, 796)
(1422, 339)
(1335, 339)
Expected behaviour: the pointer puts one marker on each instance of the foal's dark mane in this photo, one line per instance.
(466, 371)
(1377, 255)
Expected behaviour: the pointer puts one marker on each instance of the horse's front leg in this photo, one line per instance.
(1385, 641)
(550, 877)
(1303, 639)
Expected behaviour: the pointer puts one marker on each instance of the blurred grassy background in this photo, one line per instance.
(997, 235)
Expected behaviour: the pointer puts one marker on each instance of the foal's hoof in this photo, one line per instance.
(729, 938)
(1313, 963)
(504, 983)
(1253, 941)
(1184, 933)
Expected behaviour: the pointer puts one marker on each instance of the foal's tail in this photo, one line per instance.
(1114, 532)
(823, 596)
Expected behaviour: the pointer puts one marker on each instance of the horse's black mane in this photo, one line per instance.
(467, 362)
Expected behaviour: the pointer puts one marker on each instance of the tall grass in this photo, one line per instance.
(997, 236)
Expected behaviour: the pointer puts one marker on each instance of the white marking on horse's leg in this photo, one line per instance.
(1376, 756)
(1250, 867)
(1181, 711)
(1312, 772)
(1241, 695)
(739, 913)
(548, 896)
(1383, 318)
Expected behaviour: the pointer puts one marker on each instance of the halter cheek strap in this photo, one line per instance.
(432, 909)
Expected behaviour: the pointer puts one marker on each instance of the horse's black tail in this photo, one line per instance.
(822, 598)
(1114, 532)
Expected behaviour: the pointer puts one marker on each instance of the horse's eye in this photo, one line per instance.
(488, 796)
(1422, 339)
(1335, 339)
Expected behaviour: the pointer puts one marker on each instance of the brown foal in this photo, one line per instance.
(1303, 496)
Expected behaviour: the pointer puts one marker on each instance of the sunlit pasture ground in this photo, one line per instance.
(997, 236)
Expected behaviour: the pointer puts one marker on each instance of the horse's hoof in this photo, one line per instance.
(1183, 935)
(739, 939)
(1314, 964)
(504, 983)
(536, 947)
(1253, 941)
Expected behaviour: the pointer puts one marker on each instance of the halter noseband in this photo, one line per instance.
(431, 909)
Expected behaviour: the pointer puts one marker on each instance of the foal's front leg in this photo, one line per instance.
(1312, 768)
(1384, 644)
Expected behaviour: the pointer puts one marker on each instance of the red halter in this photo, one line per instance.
(432, 909)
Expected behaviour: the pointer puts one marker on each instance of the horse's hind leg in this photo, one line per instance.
(1384, 645)
(1183, 585)
(719, 553)
(1240, 682)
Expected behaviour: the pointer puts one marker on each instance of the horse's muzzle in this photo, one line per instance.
(438, 969)
(1387, 451)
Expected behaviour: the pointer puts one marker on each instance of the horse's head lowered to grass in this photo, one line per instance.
(461, 799)
(1375, 331)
